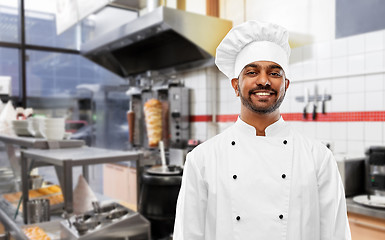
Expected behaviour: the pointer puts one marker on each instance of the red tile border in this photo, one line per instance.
(227, 118)
(201, 118)
(374, 116)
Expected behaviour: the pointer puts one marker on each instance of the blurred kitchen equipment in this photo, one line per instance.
(153, 120)
(35, 181)
(106, 221)
(352, 172)
(306, 99)
(177, 156)
(158, 198)
(131, 124)
(162, 154)
(324, 99)
(153, 4)
(3, 236)
(169, 34)
(375, 170)
(175, 118)
(38, 210)
(8, 181)
(372, 201)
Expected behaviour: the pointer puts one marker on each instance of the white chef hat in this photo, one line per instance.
(253, 41)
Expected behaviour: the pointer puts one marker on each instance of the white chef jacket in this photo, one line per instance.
(280, 186)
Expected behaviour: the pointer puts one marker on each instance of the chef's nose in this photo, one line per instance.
(262, 79)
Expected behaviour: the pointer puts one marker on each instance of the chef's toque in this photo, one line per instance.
(253, 41)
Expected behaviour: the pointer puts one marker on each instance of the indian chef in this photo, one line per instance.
(260, 179)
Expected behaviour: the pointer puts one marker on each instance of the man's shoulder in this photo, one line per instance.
(307, 141)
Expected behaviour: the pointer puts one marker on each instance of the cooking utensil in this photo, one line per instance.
(162, 154)
(38, 211)
(35, 181)
(324, 102)
(315, 102)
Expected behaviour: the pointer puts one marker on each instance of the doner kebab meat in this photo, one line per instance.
(153, 117)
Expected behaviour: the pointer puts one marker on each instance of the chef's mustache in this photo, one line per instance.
(265, 88)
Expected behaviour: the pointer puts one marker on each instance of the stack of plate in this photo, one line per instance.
(22, 128)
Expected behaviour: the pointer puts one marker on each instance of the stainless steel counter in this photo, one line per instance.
(126, 226)
(64, 160)
(367, 211)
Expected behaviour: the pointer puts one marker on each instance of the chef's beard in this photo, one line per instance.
(247, 102)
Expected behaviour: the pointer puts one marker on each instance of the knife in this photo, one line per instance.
(324, 102)
(306, 101)
(315, 102)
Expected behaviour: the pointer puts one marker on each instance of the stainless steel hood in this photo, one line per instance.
(161, 39)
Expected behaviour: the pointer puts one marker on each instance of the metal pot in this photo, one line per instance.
(158, 197)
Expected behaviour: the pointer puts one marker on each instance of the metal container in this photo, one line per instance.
(38, 210)
(375, 170)
(352, 172)
(35, 182)
(3, 236)
(112, 221)
(158, 198)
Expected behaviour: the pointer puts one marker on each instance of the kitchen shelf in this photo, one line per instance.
(64, 160)
(31, 142)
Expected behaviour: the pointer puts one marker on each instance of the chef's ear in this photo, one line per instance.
(287, 83)
(234, 83)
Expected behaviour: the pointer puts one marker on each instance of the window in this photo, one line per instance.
(59, 74)
(9, 21)
(9, 66)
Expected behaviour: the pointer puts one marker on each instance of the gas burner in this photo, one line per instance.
(106, 222)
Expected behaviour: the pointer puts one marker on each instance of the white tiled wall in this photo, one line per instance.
(351, 70)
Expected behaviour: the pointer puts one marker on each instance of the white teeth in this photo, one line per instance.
(262, 94)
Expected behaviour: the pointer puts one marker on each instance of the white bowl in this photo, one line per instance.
(53, 126)
(54, 121)
(53, 133)
(36, 126)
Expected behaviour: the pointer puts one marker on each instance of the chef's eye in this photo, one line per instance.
(251, 73)
(276, 74)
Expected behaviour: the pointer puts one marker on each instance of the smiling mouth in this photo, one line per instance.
(262, 93)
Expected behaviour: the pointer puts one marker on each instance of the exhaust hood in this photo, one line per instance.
(162, 39)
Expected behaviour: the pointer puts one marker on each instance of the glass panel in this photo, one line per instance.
(40, 17)
(58, 74)
(40, 26)
(9, 21)
(9, 66)
(68, 85)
